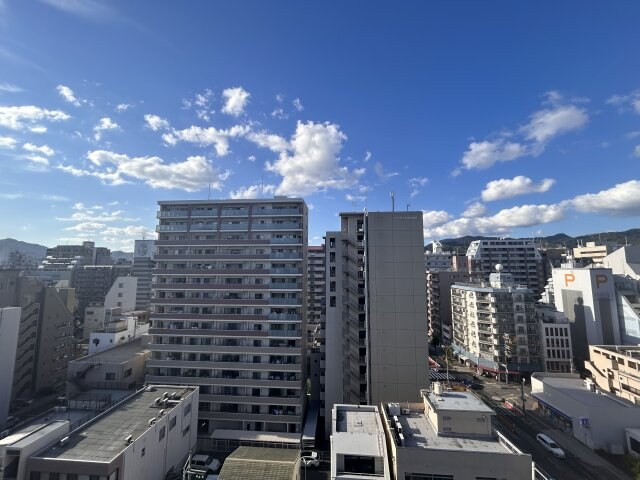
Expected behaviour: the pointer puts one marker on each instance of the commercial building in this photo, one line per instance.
(121, 329)
(555, 339)
(450, 436)
(121, 367)
(358, 446)
(376, 340)
(61, 262)
(144, 437)
(587, 297)
(592, 253)
(44, 336)
(228, 311)
(624, 261)
(121, 296)
(437, 258)
(520, 257)
(594, 417)
(439, 284)
(142, 269)
(616, 369)
(9, 334)
(494, 326)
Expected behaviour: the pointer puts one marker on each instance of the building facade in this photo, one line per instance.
(439, 284)
(142, 269)
(437, 258)
(229, 310)
(555, 339)
(592, 253)
(494, 326)
(616, 369)
(9, 330)
(520, 257)
(376, 340)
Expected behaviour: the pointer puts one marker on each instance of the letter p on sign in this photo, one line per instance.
(569, 278)
(601, 280)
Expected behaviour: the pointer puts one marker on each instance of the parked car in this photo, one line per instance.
(205, 463)
(472, 385)
(550, 445)
(310, 458)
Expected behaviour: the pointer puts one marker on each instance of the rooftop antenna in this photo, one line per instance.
(262, 186)
(408, 205)
(393, 202)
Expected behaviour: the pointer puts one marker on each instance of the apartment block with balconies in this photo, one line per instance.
(228, 311)
(494, 326)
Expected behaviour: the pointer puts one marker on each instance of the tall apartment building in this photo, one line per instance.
(142, 269)
(44, 336)
(519, 257)
(9, 328)
(228, 311)
(376, 342)
(316, 283)
(439, 284)
(494, 326)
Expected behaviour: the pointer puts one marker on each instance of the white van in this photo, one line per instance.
(550, 445)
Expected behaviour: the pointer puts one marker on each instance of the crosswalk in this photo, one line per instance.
(442, 376)
(502, 410)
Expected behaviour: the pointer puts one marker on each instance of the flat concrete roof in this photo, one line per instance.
(465, 401)
(103, 439)
(623, 350)
(358, 431)
(118, 354)
(277, 199)
(254, 436)
(419, 433)
(30, 434)
(574, 388)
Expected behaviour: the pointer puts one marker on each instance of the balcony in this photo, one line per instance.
(210, 227)
(172, 213)
(277, 226)
(232, 212)
(276, 211)
(234, 226)
(290, 241)
(171, 228)
(204, 213)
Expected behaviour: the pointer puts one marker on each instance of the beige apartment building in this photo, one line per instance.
(229, 311)
(616, 369)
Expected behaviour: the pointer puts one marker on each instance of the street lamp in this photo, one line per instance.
(305, 462)
(524, 411)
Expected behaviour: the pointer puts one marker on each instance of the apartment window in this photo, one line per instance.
(186, 430)
(162, 433)
(332, 271)
(332, 301)
(34, 476)
(187, 409)
(332, 286)
(332, 257)
(110, 376)
(127, 373)
(446, 418)
(94, 477)
(172, 423)
(121, 285)
(72, 476)
(143, 452)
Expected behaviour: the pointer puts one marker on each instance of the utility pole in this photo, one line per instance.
(524, 412)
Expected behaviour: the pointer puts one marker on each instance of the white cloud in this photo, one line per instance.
(355, 198)
(252, 191)
(68, 95)
(476, 209)
(273, 142)
(43, 150)
(105, 124)
(87, 227)
(9, 88)
(622, 199)
(84, 8)
(481, 155)
(134, 231)
(202, 101)
(367, 156)
(34, 196)
(236, 100)
(155, 123)
(8, 142)
(206, 136)
(123, 107)
(433, 218)
(312, 162)
(38, 129)
(418, 181)
(251, 158)
(380, 172)
(94, 213)
(279, 114)
(500, 223)
(37, 163)
(512, 187)
(23, 117)
(297, 104)
(191, 175)
(626, 102)
(636, 151)
(544, 125)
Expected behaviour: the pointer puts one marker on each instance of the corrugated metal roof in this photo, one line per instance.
(256, 463)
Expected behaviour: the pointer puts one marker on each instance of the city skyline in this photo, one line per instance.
(493, 119)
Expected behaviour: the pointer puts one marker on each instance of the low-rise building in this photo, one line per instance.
(358, 447)
(616, 369)
(260, 463)
(450, 436)
(594, 417)
(143, 437)
(555, 338)
(592, 253)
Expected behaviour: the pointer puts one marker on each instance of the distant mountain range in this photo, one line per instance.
(559, 240)
(38, 252)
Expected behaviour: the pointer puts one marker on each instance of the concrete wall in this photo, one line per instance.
(397, 311)
(9, 328)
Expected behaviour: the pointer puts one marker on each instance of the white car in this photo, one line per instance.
(205, 463)
(550, 445)
(310, 458)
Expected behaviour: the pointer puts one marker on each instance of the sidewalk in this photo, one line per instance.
(576, 448)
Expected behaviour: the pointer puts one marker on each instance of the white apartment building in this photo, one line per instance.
(439, 284)
(624, 261)
(121, 297)
(449, 436)
(616, 369)
(592, 253)
(376, 341)
(142, 269)
(437, 259)
(316, 283)
(555, 339)
(228, 311)
(520, 257)
(494, 326)
(9, 332)
(144, 437)
(358, 447)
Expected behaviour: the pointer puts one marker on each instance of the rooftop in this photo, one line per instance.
(632, 351)
(117, 354)
(574, 387)
(256, 463)
(358, 431)
(104, 438)
(462, 401)
(419, 433)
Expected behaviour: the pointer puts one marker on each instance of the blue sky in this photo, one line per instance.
(501, 117)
